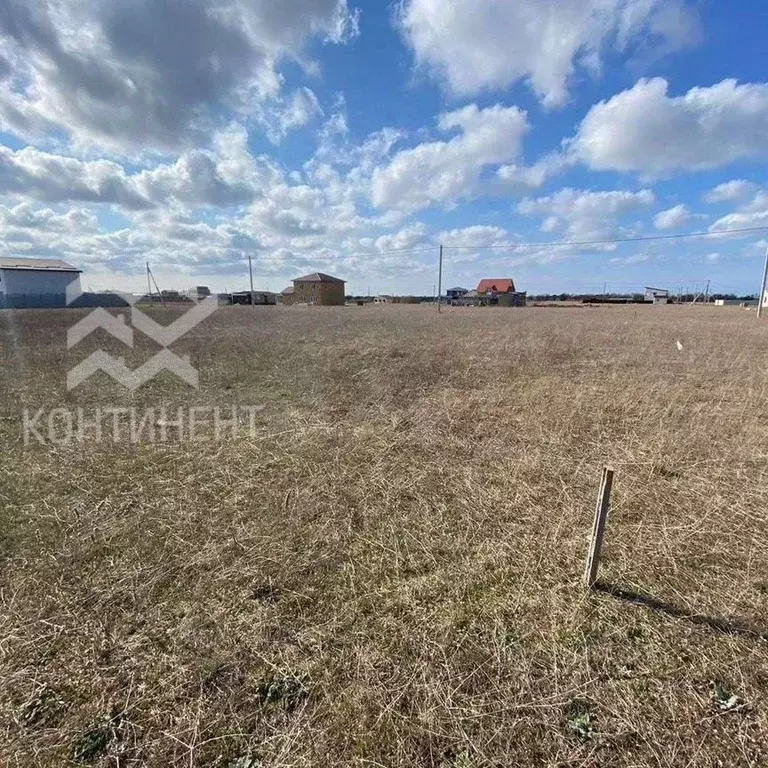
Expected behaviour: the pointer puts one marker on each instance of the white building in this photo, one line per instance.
(35, 282)
(657, 295)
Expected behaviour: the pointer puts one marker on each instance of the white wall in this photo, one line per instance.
(43, 287)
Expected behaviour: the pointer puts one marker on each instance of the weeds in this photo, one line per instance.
(389, 573)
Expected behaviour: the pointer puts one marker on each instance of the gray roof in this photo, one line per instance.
(318, 277)
(50, 265)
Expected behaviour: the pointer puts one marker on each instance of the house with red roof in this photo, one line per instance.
(493, 286)
(500, 291)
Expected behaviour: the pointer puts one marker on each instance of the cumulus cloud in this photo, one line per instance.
(737, 189)
(474, 236)
(635, 258)
(517, 177)
(446, 171)
(30, 173)
(152, 73)
(473, 46)
(646, 130)
(413, 236)
(584, 215)
(278, 119)
(672, 218)
(226, 176)
(748, 214)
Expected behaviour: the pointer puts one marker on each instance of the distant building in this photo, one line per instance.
(657, 295)
(384, 299)
(453, 294)
(36, 282)
(316, 288)
(496, 285)
(500, 292)
(259, 297)
(514, 299)
(286, 295)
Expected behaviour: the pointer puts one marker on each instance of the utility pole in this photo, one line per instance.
(762, 285)
(250, 272)
(440, 279)
(706, 294)
(149, 285)
(604, 287)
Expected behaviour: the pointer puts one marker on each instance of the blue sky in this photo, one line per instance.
(355, 137)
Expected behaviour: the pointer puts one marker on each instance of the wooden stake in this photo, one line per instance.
(598, 530)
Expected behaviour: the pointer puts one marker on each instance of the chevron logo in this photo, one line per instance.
(115, 325)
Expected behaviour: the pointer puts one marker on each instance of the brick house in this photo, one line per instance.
(317, 288)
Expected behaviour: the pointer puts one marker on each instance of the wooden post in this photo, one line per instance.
(598, 530)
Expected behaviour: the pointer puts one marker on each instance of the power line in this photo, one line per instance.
(560, 243)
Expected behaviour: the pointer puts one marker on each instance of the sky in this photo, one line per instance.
(354, 137)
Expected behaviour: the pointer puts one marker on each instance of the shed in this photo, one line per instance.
(36, 282)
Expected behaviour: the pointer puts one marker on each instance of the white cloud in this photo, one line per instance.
(285, 115)
(516, 177)
(492, 44)
(153, 73)
(30, 173)
(635, 258)
(474, 236)
(672, 218)
(447, 171)
(584, 215)
(737, 189)
(748, 215)
(743, 220)
(645, 130)
(228, 176)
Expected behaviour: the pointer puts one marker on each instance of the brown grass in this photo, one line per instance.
(389, 574)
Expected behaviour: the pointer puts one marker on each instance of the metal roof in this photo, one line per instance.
(496, 285)
(47, 265)
(318, 277)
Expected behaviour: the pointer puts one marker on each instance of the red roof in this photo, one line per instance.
(496, 285)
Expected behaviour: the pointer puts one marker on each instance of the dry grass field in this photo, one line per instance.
(388, 572)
